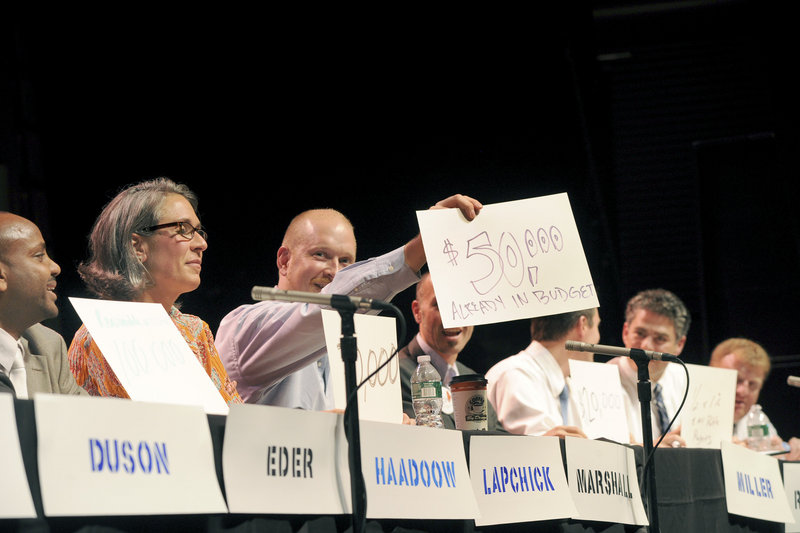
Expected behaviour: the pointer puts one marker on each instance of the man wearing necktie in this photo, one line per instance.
(33, 358)
(443, 346)
(530, 390)
(656, 320)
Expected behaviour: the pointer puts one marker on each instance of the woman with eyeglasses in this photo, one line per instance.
(147, 246)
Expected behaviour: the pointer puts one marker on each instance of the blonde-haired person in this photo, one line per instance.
(752, 364)
(147, 245)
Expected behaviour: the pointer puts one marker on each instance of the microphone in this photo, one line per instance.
(794, 381)
(633, 353)
(337, 301)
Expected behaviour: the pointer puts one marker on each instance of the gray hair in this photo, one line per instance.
(113, 272)
(661, 302)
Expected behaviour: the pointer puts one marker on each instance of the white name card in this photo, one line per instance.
(380, 398)
(753, 484)
(518, 479)
(15, 493)
(602, 478)
(112, 456)
(273, 458)
(791, 485)
(405, 465)
(598, 392)
(708, 412)
(148, 353)
(516, 260)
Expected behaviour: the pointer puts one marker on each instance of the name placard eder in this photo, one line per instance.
(289, 461)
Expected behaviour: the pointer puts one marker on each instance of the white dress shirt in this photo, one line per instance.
(524, 389)
(12, 364)
(673, 385)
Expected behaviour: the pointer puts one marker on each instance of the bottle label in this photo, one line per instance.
(426, 389)
(758, 431)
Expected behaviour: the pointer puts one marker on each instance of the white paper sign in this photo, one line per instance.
(602, 478)
(112, 456)
(753, 484)
(519, 479)
(380, 398)
(148, 353)
(15, 493)
(598, 392)
(415, 472)
(791, 486)
(516, 260)
(274, 457)
(708, 413)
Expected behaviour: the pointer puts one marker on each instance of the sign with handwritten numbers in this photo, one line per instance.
(15, 493)
(598, 392)
(753, 484)
(379, 398)
(148, 353)
(707, 418)
(515, 260)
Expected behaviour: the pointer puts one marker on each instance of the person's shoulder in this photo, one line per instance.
(41, 333)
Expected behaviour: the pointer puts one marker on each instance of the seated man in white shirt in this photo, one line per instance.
(752, 365)
(530, 390)
(656, 320)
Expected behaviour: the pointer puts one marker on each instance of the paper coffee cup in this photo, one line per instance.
(470, 409)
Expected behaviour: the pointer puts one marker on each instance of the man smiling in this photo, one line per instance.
(276, 351)
(32, 357)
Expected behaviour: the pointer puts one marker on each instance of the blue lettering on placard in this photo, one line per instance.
(754, 485)
(108, 454)
(410, 473)
(518, 479)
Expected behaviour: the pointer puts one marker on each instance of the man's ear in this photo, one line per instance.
(284, 254)
(139, 247)
(415, 311)
(3, 277)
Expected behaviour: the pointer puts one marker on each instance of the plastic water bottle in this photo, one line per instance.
(426, 393)
(757, 429)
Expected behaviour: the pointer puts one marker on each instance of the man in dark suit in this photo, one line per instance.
(33, 358)
(443, 346)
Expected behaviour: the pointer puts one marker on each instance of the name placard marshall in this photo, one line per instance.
(603, 481)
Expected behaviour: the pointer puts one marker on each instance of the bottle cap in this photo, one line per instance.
(423, 358)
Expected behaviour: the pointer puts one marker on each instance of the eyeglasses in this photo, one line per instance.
(185, 229)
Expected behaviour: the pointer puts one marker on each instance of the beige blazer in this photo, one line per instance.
(46, 363)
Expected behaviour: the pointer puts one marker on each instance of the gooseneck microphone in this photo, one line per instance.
(332, 300)
(633, 353)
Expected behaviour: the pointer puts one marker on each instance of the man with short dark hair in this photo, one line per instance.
(33, 358)
(656, 320)
(530, 390)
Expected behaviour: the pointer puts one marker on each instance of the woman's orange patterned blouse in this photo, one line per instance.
(94, 374)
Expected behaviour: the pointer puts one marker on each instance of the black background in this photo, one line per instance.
(672, 127)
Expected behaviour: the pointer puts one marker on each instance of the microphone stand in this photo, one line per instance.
(346, 310)
(645, 397)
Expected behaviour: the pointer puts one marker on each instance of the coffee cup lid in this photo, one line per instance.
(469, 378)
